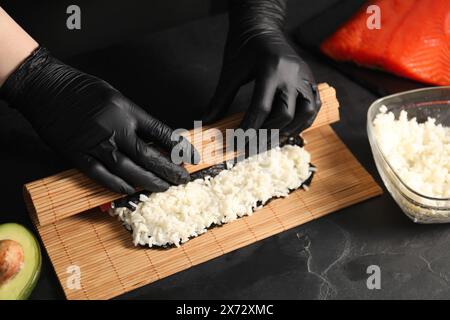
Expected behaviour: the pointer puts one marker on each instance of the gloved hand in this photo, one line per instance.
(94, 126)
(285, 95)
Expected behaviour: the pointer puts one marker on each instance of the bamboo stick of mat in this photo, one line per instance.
(111, 265)
(71, 192)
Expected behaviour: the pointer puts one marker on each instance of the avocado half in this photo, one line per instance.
(20, 262)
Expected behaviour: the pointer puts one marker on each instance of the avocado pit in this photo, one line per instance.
(11, 259)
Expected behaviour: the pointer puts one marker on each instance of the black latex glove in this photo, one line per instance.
(94, 126)
(285, 95)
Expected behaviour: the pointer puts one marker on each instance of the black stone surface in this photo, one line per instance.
(172, 74)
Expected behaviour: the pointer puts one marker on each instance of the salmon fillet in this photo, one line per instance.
(413, 41)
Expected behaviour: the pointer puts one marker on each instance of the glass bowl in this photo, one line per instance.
(422, 103)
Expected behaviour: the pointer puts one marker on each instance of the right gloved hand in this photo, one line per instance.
(95, 127)
(285, 95)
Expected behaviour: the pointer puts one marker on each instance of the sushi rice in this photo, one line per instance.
(186, 211)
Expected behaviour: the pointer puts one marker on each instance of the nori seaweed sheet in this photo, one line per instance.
(212, 172)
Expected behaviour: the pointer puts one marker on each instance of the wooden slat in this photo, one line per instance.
(71, 192)
(110, 265)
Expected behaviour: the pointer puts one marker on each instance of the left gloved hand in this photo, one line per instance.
(285, 95)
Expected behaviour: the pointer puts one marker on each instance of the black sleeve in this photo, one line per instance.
(252, 17)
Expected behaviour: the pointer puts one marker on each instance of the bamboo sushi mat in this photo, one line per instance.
(70, 192)
(110, 265)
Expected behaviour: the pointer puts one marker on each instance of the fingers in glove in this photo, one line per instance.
(306, 72)
(305, 112)
(283, 109)
(96, 171)
(154, 130)
(151, 159)
(316, 93)
(125, 168)
(261, 104)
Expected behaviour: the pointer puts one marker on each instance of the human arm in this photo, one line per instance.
(285, 94)
(85, 119)
(16, 45)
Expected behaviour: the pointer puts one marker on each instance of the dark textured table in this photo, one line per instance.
(172, 74)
